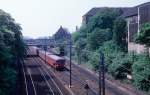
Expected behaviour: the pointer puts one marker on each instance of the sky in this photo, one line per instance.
(40, 18)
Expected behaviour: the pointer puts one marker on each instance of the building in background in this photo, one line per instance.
(62, 35)
(135, 16)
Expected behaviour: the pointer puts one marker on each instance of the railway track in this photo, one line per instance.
(93, 80)
(76, 81)
(51, 72)
(80, 77)
(39, 81)
(29, 86)
(83, 82)
(51, 80)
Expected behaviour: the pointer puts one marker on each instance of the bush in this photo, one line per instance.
(7, 80)
(141, 73)
(121, 66)
(110, 50)
(94, 60)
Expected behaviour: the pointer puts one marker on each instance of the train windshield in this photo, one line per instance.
(61, 61)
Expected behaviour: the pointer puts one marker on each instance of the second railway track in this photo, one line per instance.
(38, 80)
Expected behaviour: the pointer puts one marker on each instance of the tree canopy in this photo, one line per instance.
(119, 33)
(12, 48)
(104, 26)
(144, 35)
(107, 32)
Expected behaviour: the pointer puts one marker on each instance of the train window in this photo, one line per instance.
(60, 61)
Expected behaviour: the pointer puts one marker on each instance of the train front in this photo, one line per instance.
(60, 64)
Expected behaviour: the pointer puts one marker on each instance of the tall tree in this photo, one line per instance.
(119, 33)
(11, 47)
(98, 37)
(103, 19)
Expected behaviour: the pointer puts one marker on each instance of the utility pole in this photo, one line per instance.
(45, 50)
(101, 75)
(70, 84)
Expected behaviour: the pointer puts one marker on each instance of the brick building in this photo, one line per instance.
(135, 16)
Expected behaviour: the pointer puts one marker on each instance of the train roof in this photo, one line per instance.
(55, 57)
(51, 55)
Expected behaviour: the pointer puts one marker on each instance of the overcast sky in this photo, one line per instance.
(44, 17)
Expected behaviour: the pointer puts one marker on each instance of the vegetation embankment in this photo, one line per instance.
(107, 32)
(11, 49)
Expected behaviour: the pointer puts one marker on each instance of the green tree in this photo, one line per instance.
(141, 75)
(110, 50)
(119, 33)
(98, 37)
(11, 48)
(144, 35)
(103, 20)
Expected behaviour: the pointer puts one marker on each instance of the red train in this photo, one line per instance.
(53, 60)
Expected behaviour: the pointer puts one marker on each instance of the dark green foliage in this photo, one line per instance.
(5, 56)
(110, 49)
(81, 43)
(119, 33)
(100, 34)
(75, 36)
(7, 80)
(11, 48)
(11, 35)
(144, 36)
(94, 60)
(106, 32)
(103, 20)
(85, 55)
(121, 66)
(98, 37)
(141, 73)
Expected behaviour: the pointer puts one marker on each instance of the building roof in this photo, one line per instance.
(62, 33)
(144, 4)
(127, 11)
(130, 12)
(134, 10)
(95, 10)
